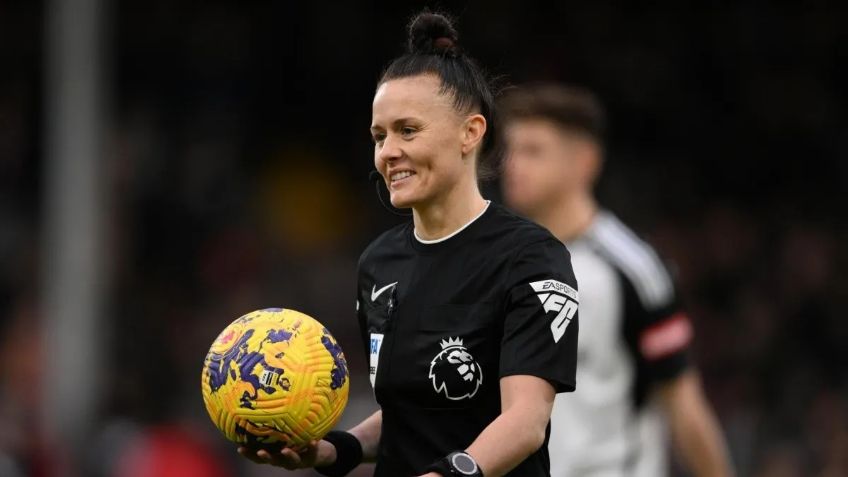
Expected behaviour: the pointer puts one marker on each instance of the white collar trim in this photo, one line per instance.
(430, 242)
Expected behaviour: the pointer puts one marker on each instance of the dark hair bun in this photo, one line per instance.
(432, 34)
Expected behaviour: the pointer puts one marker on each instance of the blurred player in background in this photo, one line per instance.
(635, 380)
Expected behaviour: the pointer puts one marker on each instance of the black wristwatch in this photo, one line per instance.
(457, 463)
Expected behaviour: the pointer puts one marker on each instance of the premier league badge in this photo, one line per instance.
(454, 372)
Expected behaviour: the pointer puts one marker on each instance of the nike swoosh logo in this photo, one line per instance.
(375, 293)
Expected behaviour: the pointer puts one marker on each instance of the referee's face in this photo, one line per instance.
(542, 166)
(418, 141)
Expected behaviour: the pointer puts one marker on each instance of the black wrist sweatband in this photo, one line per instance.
(348, 454)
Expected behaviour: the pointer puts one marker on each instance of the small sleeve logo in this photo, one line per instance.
(559, 297)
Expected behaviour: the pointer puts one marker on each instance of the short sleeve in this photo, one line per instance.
(541, 322)
(660, 333)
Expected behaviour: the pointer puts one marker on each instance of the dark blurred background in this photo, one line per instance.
(231, 175)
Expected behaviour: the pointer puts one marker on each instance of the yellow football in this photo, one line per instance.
(275, 377)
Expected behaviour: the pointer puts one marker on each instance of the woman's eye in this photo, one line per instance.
(407, 131)
(378, 138)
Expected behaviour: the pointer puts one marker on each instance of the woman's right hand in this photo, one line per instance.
(316, 453)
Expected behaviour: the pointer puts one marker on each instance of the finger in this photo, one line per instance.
(290, 455)
(250, 455)
(289, 459)
(264, 455)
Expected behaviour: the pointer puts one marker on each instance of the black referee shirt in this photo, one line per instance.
(443, 322)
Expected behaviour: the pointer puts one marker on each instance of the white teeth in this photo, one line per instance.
(401, 175)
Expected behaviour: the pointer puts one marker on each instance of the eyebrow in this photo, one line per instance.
(398, 121)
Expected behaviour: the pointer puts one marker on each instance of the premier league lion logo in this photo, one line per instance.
(454, 372)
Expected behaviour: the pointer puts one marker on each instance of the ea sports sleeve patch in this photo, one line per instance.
(541, 322)
(560, 298)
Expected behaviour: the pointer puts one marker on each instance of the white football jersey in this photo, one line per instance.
(632, 334)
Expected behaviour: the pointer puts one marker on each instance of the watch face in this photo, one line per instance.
(464, 464)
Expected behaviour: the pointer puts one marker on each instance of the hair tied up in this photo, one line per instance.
(433, 50)
(443, 43)
(432, 34)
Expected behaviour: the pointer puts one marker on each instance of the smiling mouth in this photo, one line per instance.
(401, 175)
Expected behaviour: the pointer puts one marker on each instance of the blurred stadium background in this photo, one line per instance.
(166, 166)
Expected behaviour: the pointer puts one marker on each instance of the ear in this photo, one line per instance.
(591, 159)
(473, 130)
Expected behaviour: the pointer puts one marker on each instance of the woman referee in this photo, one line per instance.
(468, 313)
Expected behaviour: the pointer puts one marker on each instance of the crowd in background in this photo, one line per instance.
(236, 171)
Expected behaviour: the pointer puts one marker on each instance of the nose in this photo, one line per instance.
(390, 150)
